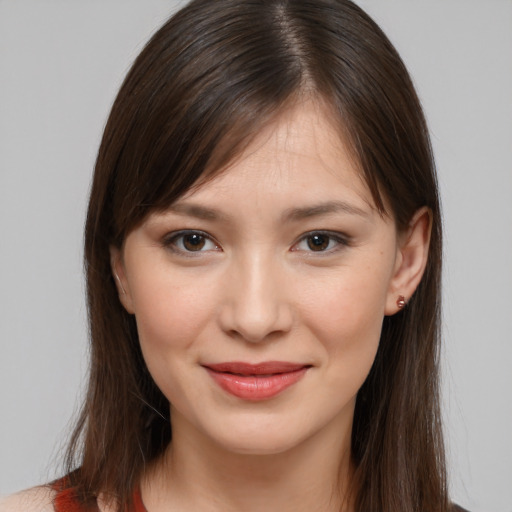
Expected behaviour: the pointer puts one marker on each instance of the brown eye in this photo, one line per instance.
(189, 242)
(318, 242)
(322, 242)
(194, 242)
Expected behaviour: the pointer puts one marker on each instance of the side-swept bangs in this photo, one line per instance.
(201, 90)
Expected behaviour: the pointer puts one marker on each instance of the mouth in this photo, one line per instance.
(255, 382)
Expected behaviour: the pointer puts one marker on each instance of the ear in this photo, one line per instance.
(411, 259)
(119, 274)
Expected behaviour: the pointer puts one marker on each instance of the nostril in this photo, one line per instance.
(255, 310)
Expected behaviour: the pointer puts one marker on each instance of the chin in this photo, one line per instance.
(253, 437)
(264, 445)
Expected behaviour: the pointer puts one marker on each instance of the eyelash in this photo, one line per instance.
(173, 240)
(332, 236)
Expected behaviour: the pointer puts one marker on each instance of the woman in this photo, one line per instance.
(263, 263)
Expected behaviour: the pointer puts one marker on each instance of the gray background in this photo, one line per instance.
(61, 64)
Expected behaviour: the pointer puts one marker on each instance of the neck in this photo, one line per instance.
(196, 474)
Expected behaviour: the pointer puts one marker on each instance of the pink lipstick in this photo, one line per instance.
(256, 381)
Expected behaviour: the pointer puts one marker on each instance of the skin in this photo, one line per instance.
(254, 288)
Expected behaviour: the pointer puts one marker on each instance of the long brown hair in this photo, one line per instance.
(205, 83)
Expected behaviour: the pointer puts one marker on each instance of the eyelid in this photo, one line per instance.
(168, 241)
(342, 240)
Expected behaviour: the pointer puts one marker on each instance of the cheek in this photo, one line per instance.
(345, 313)
(171, 310)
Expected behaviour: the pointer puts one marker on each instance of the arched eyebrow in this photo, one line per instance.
(301, 213)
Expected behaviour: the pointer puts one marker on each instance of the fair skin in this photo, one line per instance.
(231, 273)
(281, 257)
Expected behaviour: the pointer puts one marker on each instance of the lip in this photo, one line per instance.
(255, 382)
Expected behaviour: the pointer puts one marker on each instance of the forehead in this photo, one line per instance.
(300, 154)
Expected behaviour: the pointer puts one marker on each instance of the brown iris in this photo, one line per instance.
(193, 242)
(318, 242)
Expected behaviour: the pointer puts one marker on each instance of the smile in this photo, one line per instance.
(255, 382)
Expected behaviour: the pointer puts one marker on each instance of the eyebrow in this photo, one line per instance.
(200, 212)
(295, 214)
(289, 215)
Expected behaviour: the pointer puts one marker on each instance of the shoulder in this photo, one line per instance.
(455, 508)
(37, 499)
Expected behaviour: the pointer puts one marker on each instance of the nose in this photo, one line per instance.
(255, 305)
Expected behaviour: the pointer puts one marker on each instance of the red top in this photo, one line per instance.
(67, 501)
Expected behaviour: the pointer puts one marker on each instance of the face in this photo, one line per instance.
(259, 296)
